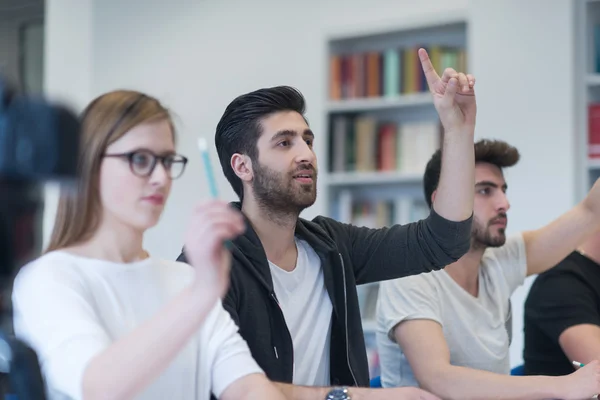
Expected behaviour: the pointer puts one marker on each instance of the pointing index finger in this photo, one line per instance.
(430, 73)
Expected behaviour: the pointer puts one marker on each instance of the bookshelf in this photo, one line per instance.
(587, 92)
(383, 127)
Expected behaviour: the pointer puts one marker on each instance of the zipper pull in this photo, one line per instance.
(276, 355)
(275, 298)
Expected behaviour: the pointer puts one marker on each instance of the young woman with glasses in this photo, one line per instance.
(106, 319)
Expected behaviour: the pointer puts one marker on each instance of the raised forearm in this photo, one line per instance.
(454, 195)
(135, 360)
(459, 383)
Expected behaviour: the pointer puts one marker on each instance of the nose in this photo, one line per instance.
(160, 176)
(503, 203)
(305, 154)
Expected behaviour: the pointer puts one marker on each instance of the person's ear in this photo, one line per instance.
(242, 167)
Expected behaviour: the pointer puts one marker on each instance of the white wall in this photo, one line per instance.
(522, 55)
(198, 57)
(68, 68)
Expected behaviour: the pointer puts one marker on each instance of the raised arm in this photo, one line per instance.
(550, 244)
(427, 352)
(454, 99)
(400, 250)
(444, 237)
(53, 312)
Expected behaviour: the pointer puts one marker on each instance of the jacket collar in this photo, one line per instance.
(248, 248)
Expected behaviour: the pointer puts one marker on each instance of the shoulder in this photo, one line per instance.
(571, 267)
(412, 297)
(325, 224)
(48, 276)
(414, 285)
(56, 264)
(568, 288)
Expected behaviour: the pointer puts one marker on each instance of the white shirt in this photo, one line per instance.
(70, 308)
(307, 310)
(474, 327)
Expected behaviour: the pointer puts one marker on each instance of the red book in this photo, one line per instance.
(335, 77)
(594, 130)
(386, 157)
(373, 74)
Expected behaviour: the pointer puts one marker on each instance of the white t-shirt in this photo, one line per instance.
(70, 308)
(474, 328)
(307, 310)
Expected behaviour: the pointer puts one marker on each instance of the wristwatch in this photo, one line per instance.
(338, 393)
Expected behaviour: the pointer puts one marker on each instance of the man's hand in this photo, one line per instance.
(453, 96)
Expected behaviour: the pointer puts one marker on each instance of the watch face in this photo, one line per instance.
(338, 394)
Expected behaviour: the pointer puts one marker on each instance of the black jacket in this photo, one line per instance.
(349, 256)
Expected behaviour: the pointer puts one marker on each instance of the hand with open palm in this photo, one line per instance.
(453, 96)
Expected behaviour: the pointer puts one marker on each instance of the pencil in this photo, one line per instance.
(210, 177)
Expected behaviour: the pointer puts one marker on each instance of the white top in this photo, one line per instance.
(474, 327)
(70, 308)
(307, 310)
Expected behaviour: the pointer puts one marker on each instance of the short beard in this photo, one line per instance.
(481, 238)
(276, 196)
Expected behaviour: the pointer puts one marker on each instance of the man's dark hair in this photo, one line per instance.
(240, 126)
(495, 152)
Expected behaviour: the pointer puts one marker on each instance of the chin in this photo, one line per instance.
(145, 222)
(498, 241)
(307, 198)
(305, 203)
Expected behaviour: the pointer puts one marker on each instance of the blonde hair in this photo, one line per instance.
(105, 120)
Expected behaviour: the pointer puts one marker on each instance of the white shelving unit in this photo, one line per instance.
(593, 79)
(349, 184)
(351, 179)
(374, 104)
(587, 88)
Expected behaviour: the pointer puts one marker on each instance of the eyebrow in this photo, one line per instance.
(490, 184)
(158, 153)
(286, 133)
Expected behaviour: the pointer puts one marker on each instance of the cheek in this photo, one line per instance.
(480, 212)
(119, 188)
(481, 206)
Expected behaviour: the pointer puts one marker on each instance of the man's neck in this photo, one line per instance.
(276, 233)
(465, 271)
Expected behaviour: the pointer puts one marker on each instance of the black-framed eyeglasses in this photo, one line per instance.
(143, 162)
